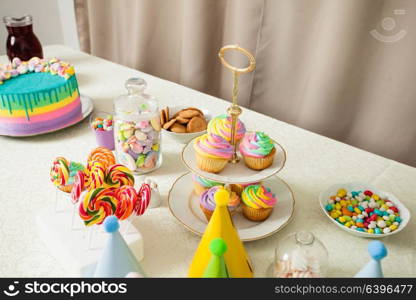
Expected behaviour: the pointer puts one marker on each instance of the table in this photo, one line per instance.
(313, 163)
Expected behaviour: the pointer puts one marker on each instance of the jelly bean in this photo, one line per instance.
(370, 230)
(348, 218)
(398, 219)
(375, 197)
(393, 208)
(381, 223)
(359, 220)
(360, 229)
(388, 223)
(372, 226)
(342, 219)
(338, 206)
(341, 193)
(377, 231)
(350, 208)
(386, 230)
(369, 210)
(366, 224)
(378, 212)
(354, 193)
(385, 218)
(368, 193)
(396, 223)
(348, 224)
(343, 203)
(357, 210)
(329, 207)
(346, 212)
(353, 227)
(393, 227)
(354, 202)
(385, 207)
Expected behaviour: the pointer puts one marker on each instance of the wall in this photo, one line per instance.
(48, 18)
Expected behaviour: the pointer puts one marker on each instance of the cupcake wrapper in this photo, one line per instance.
(207, 213)
(260, 163)
(211, 165)
(66, 188)
(238, 189)
(256, 214)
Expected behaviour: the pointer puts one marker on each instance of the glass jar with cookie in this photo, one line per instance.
(137, 128)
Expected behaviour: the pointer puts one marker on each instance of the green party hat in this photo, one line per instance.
(216, 267)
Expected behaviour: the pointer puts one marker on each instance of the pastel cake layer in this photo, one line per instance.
(40, 102)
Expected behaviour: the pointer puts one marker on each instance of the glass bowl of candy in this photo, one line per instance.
(363, 210)
(300, 255)
(184, 123)
(103, 127)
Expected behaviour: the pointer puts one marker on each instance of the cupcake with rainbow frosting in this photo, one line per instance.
(239, 188)
(212, 152)
(202, 184)
(207, 202)
(221, 125)
(258, 150)
(258, 202)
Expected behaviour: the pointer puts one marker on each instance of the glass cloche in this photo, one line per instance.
(300, 255)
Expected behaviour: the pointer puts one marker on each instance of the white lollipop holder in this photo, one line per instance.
(75, 246)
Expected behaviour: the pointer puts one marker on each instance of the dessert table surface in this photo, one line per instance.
(313, 164)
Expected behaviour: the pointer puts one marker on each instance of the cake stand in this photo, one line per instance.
(183, 202)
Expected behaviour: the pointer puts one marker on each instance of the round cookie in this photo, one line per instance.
(196, 124)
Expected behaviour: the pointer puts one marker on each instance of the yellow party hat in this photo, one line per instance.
(221, 226)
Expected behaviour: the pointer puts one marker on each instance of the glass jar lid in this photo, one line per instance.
(18, 22)
(136, 104)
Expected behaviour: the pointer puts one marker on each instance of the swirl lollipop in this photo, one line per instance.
(143, 200)
(127, 197)
(102, 155)
(79, 186)
(59, 174)
(95, 174)
(119, 175)
(97, 204)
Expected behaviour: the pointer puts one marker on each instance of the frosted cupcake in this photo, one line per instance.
(258, 202)
(207, 202)
(212, 152)
(221, 125)
(257, 150)
(202, 184)
(239, 188)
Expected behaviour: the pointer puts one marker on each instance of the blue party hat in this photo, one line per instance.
(117, 259)
(373, 269)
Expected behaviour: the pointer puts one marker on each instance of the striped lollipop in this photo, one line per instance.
(95, 173)
(97, 204)
(118, 175)
(59, 174)
(143, 200)
(127, 197)
(79, 186)
(102, 155)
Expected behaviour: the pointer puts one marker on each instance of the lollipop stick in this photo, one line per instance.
(75, 221)
(60, 198)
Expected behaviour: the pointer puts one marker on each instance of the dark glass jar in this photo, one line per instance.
(21, 41)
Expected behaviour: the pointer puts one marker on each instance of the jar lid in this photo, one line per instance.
(18, 22)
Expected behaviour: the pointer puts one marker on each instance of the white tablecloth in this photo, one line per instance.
(313, 163)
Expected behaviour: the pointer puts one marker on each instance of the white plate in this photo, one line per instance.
(357, 186)
(235, 173)
(184, 205)
(86, 108)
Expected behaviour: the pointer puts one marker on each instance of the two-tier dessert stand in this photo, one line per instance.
(184, 203)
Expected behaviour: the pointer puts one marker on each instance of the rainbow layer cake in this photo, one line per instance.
(38, 96)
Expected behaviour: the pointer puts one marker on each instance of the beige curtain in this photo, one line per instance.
(341, 68)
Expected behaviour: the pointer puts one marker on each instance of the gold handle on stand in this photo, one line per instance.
(234, 110)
